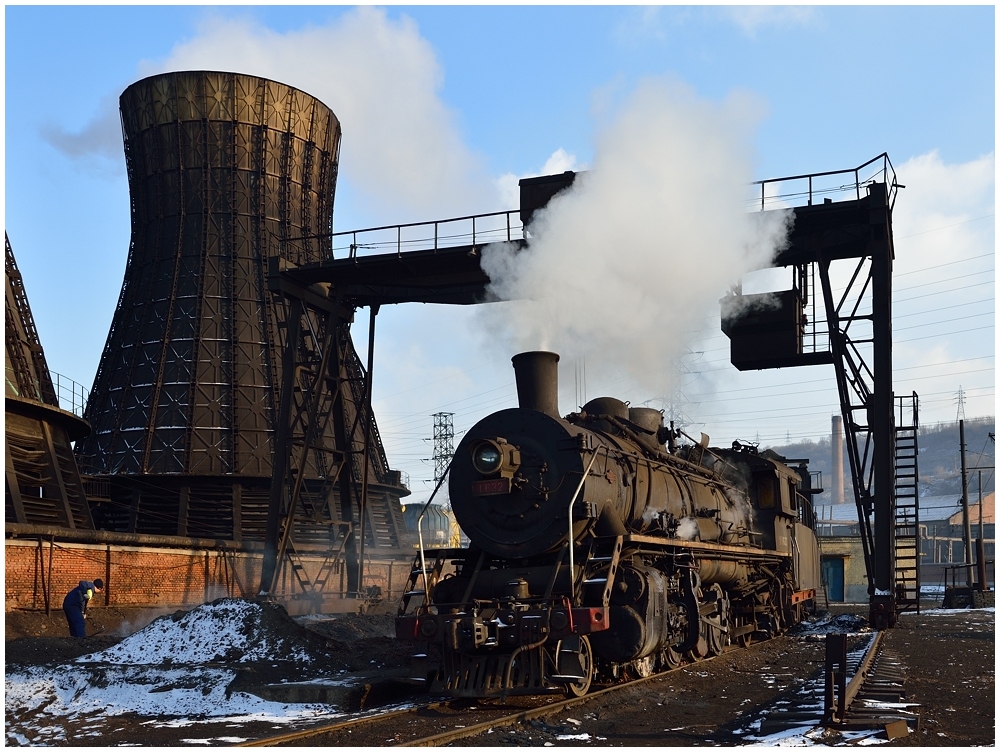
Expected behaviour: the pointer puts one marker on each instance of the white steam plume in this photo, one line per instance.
(622, 267)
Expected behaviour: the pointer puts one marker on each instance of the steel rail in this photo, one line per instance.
(330, 727)
(507, 720)
(860, 676)
(553, 707)
(460, 733)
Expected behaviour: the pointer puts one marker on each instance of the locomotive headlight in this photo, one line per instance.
(496, 456)
(487, 458)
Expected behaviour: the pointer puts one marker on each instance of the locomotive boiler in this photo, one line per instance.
(603, 544)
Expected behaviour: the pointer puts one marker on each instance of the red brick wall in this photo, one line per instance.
(140, 576)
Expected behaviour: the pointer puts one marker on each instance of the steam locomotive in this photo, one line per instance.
(604, 544)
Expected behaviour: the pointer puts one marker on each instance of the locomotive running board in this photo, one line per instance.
(752, 553)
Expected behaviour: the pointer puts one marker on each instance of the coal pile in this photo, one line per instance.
(205, 668)
(229, 630)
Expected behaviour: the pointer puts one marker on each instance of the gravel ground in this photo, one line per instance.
(948, 657)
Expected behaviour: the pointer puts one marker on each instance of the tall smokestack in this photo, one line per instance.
(837, 445)
(537, 377)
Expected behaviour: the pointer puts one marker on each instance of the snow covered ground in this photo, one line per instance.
(177, 672)
(57, 706)
(163, 674)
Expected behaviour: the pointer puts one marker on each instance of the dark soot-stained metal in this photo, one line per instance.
(225, 172)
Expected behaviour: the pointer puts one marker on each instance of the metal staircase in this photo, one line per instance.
(906, 514)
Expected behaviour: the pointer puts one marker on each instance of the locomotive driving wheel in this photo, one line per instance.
(715, 627)
(672, 659)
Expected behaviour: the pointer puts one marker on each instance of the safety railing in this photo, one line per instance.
(797, 190)
(475, 229)
(71, 396)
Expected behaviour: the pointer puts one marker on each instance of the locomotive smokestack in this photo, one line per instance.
(537, 377)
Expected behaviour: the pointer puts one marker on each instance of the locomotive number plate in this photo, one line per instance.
(491, 487)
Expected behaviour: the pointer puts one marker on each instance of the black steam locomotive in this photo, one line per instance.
(677, 549)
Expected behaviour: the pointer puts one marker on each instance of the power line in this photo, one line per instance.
(945, 227)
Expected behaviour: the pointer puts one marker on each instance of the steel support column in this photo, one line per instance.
(883, 600)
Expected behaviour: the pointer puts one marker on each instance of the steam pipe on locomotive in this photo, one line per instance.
(667, 553)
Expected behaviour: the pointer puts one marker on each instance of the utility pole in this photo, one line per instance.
(980, 472)
(967, 528)
(981, 543)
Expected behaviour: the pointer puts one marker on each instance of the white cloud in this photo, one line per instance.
(944, 231)
(402, 146)
(559, 161)
(754, 18)
(945, 211)
(98, 144)
(645, 24)
(402, 149)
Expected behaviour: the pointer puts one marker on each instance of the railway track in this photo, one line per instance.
(859, 690)
(484, 716)
(442, 722)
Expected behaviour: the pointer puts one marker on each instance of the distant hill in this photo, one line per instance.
(939, 461)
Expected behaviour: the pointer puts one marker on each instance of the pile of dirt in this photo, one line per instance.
(228, 630)
(222, 662)
(351, 627)
(364, 641)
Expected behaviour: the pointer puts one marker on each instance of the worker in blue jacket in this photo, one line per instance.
(75, 605)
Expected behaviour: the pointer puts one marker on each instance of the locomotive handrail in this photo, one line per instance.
(420, 532)
(569, 513)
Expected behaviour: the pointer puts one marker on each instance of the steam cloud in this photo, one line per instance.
(624, 265)
(688, 528)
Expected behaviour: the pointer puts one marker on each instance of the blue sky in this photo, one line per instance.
(472, 98)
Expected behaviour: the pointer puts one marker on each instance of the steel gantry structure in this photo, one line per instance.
(852, 330)
(810, 325)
